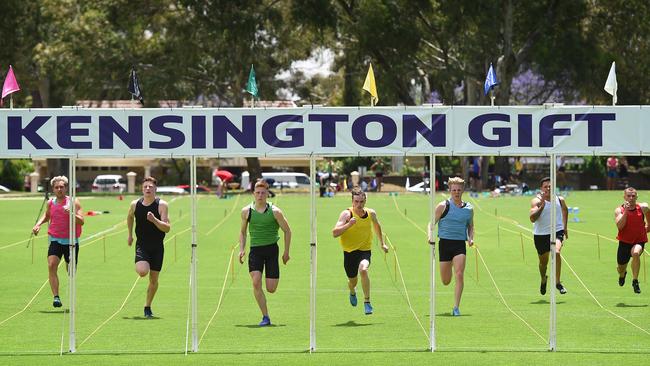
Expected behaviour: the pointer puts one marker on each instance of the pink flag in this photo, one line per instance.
(10, 85)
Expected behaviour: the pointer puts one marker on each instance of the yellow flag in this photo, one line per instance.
(370, 86)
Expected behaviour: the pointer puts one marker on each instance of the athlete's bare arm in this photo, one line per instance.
(345, 221)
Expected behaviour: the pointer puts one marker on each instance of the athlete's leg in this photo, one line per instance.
(445, 272)
(272, 284)
(142, 267)
(365, 280)
(52, 267)
(459, 272)
(153, 286)
(558, 260)
(256, 278)
(352, 284)
(543, 263)
(636, 252)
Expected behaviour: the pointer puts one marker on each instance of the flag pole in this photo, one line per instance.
(313, 254)
(552, 337)
(11, 101)
(491, 97)
(432, 251)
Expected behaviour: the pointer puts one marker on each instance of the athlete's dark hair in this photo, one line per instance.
(262, 184)
(150, 179)
(356, 191)
(545, 179)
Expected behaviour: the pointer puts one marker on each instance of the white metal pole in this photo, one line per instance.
(193, 264)
(313, 257)
(432, 260)
(553, 314)
(72, 268)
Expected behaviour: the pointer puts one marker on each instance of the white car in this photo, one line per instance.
(170, 190)
(420, 187)
(109, 183)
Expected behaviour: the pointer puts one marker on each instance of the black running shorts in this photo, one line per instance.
(448, 249)
(625, 252)
(150, 254)
(351, 261)
(543, 242)
(62, 250)
(265, 257)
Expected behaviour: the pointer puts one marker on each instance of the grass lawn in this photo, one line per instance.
(504, 318)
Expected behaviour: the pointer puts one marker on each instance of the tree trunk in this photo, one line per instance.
(254, 169)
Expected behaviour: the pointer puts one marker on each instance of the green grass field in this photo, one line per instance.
(505, 319)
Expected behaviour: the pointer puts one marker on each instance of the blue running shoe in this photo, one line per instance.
(353, 299)
(57, 302)
(455, 312)
(367, 308)
(147, 312)
(265, 321)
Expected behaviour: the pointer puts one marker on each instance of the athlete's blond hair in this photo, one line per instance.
(456, 180)
(60, 178)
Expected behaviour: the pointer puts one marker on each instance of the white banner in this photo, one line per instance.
(440, 130)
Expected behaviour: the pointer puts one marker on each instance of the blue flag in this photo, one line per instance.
(490, 80)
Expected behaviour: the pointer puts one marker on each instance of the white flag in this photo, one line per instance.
(611, 85)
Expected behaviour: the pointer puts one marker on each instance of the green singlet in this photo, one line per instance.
(262, 227)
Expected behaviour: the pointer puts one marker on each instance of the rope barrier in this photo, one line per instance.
(223, 289)
(598, 302)
(232, 210)
(113, 315)
(408, 299)
(503, 300)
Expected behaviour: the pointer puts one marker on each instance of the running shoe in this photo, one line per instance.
(635, 285)
(560, 288)
(455, 311)
(147, 312)
(57, 302)
(367, 308)
(353, 299)
(265, 321)
(542, 286)
(621, 280)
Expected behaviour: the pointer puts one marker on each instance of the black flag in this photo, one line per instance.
(134, 86)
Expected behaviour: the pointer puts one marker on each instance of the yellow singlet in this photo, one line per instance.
(359, 235)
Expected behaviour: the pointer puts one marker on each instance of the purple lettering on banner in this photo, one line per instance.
(595, 126)
(16, 132)
(475, 130)
(270, 136)
(388, 129)
(547, 131)
(328, 126)
(65, 132)
(198, 132)
(525, 130)
(176, 137)
(412, 125)
(109, 127)
(222, 127)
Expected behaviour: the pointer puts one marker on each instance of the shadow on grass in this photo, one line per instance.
(352, 323)
(624, 305)
(448, 315)
(140, 318)
(253, 326)
(54, 311)
(545, 302)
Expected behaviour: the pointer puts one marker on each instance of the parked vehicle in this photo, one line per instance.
(280, 179)
(199, 188)
(109, 183)
(170, 190)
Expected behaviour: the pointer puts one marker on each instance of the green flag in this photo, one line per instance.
(251, 86)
